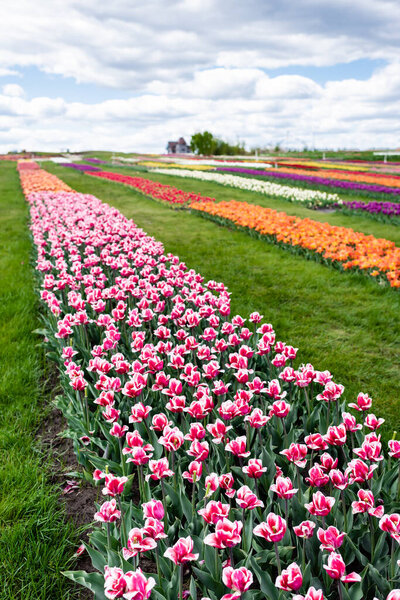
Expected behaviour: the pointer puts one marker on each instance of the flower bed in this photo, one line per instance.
(80, 167)
(155, 190)
(311, 198)
(388, 212)
(348, 186)
(340, 246)
(254, 481)
(36, 179)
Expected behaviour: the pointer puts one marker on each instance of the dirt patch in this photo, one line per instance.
(78, 503)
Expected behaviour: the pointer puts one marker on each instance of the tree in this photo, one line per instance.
(203, 143)
(206, 143)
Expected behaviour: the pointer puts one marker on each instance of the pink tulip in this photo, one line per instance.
(138, 542)
(296, 453)
(336, 436)
(138, 587)
(273, 529)
(305, 529)
(227, 534)
(108, 512)
(247, 499)
(159, 422)
(238, 447)
(394, 447)
(159, 469)
(181, 552)
(315, 441)
(254, 468)
(214, 512)
(114, 485)
(317, 477)
(172, 438)
(196, 432)
(331, 539)
(366, 503)
(394, 595)
(194, 471)
(328, 462)
(339, 480)
(350, 422)
(257, 418)
(358, 471)
(153, 508)
(283, 487)
(321, 505)
(118, 430)
(139, 412)
(238, 580)
(372, 422)
(312, 594)
(280, 409)
(336, 569)
(291, 579)
(154, 528)
(115, 582)
(364, 403)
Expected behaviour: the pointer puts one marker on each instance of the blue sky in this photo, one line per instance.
(131, 75)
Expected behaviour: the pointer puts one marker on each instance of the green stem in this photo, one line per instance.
(181, 582)
(278, 560)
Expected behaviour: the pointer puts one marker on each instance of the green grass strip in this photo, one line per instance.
(35, 541)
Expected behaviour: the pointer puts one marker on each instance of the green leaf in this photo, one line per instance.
(93, 581)
(265, 581)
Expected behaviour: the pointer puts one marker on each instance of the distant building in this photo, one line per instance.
(179, 147)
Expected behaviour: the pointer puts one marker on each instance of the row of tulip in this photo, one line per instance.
(340, 246)
(35, 179)
(354, 176)
(254, 479)
(311, 198)
(157, 191)
(80, 167)
(323, 181)
(386, 211)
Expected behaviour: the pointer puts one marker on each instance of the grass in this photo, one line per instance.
(35, 541)
(343, 322)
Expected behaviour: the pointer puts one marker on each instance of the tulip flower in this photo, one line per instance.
(108, 512)
(214, 512)
(273, 529)
(312, 594)
(254, 468)
(138, 542)
(138, 587)
(336, 569)
(154, 509)
(305, 529)
(181, 552)
(238, 580)
(320, 505)
(331, 539)
(245, 498)
(283, 487)
(291, 579)
(227, 534)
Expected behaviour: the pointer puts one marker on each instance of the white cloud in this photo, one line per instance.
(13, 89)
(251, 106)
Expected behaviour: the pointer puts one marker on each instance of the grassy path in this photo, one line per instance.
(35, 542)
(340, 321)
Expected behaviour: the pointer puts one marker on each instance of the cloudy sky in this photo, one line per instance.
(132, 74)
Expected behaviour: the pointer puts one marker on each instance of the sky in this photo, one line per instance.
(131, 75)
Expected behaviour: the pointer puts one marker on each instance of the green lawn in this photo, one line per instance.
(35, 541)
(343, 322)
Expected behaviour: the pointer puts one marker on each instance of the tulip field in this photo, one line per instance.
(231, 461)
